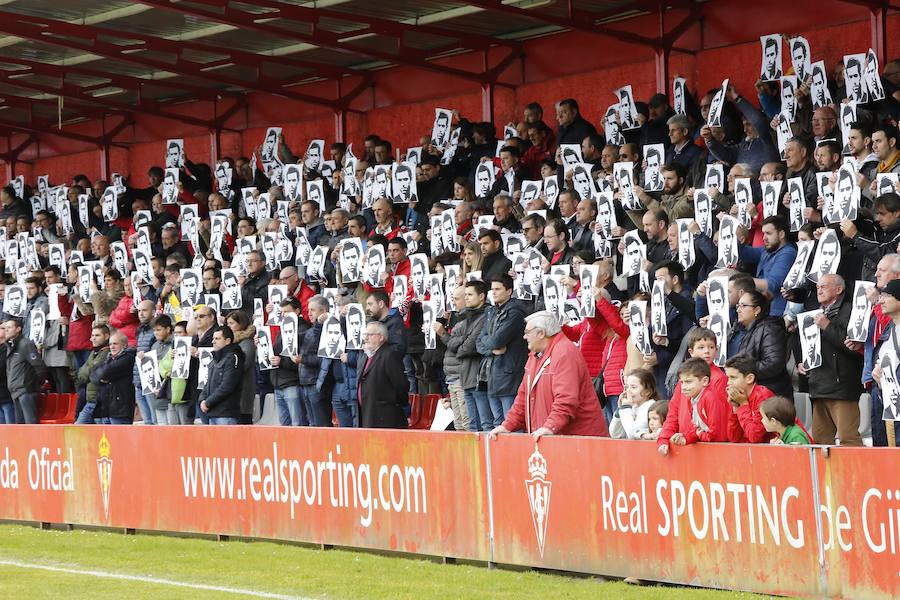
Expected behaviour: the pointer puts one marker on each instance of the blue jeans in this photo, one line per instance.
(609, 411)
(345, 406)
(410, 371)
(26, 409)
(481, 418)
(200, 414)
(319, 415)
(80, 357)
(290, 408)
(500, 405)
(222, 421)
(8, 414)
(114, 421)
(879, 431)
(147, 413)
(86, 416)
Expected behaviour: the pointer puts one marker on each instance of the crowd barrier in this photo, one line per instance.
(805, 521)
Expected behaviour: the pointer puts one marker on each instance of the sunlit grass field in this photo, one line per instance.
(102, 564)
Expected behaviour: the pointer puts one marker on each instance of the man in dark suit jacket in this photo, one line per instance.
(382, 385)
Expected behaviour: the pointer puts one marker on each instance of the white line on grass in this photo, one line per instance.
(154, 580)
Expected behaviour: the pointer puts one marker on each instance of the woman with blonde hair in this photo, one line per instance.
(472, 258)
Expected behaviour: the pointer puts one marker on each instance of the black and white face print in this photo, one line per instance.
(404, 183)
(570, 155)
(587, 277)
(582, 180)
(679, 90)
(847, 118)
(703, 212)
(170, 185)
(381, 186)
(715, 108)
(316, 193)
(810, 339)
(658, 323)
(627, 110)
(277, 293)
(15, 300)
(293, 182)
(798, 203)
(771, 58)
(800, 58)
(654, 158)
(827, 257)
(110, 204)
(398, 295)
(860, 314)
(269, 151)
(314, 155)
(355, 323)
(886, 183)
(350, 256)
(846, 195)
(175, 154)
(414, 155)
(637, 325)
(789, 97)
(190, 287)
(635, 254)
(554, 296)
(854, 77)
(120, 257)
(18, 184)
(375, 265)
(265, 348)
(728, 242)
(612, 127)
(530, 191)
(231, 296)
(686, 252)
(448, 232)
(224, 176)
(430, 311)
(440, 131)
(715, 178)
(743, 198)
(148, 372)
(890, 386)
(783, 132)
(821, 95)
(484, 179)
(248, 200)
(796, 275)
(289, 328)
(418, 267)
(181, 356)
(719, 325)
(771, 193)
(624, 177)
(873, 79)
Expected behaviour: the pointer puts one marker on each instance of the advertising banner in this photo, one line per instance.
(417, 492)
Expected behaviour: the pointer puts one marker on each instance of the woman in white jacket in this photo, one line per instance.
(631, 420)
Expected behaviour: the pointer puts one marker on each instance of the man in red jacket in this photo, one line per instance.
(556, 396)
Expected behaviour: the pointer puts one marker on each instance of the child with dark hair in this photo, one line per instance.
(745, 395)
(656, 416)
(779, 417)
(698, 412)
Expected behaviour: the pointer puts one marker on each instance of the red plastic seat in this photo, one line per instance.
(429, 408)
(415, 410)
(47, 407)
(65, 414)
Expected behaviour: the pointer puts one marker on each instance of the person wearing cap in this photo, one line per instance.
(835, 386)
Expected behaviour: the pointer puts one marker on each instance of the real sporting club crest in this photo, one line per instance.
(104, 471)
(538, 488)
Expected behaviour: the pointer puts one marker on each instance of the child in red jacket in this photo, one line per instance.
(745, 395)
(697, 411)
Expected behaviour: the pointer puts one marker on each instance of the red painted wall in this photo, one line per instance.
(400, 105)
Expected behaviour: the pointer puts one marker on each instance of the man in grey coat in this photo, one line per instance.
(25, 371)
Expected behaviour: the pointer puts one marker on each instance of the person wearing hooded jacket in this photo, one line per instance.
(220, 400)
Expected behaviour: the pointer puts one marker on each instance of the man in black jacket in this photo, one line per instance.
(115, 392)
(383, 386)
(220, 400)
(495, 263)
(573, 128)
(835, 387)
(256, 284)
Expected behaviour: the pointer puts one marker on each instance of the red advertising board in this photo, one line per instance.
(417, 492)
(723, 515)
(859, 492)
(773, 519)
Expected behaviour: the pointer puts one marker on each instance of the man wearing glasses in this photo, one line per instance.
(258, 279)
(556, 396)
(206, 321)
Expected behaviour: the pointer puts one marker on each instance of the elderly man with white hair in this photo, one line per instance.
(556, 396)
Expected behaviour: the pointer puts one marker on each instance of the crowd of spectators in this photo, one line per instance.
(603, 304)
